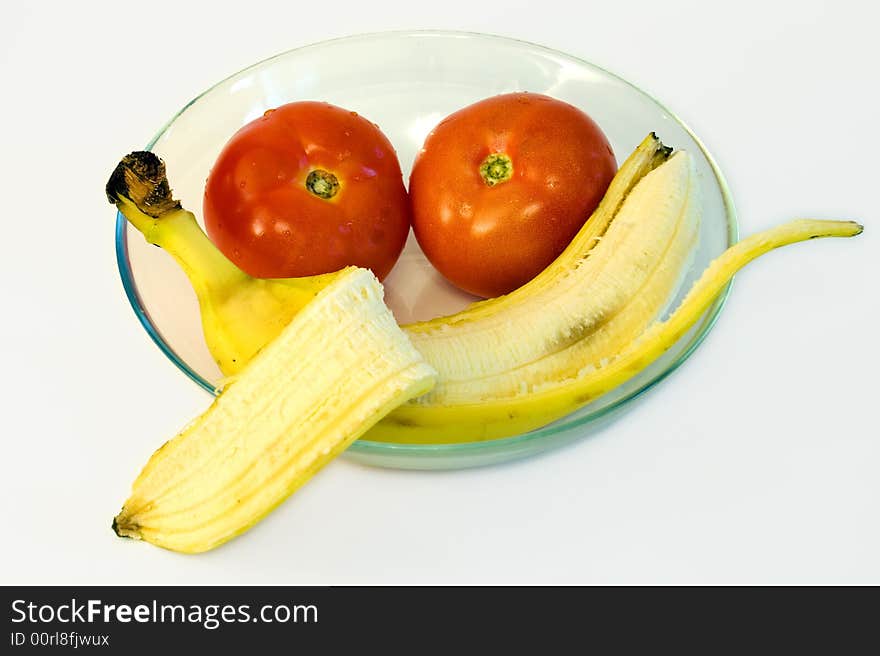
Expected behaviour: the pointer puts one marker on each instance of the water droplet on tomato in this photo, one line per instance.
(242, 184)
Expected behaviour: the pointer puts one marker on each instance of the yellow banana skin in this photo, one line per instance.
(493, 419)
(240, 314)
(339, 365)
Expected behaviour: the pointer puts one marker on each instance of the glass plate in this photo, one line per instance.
(406, 82)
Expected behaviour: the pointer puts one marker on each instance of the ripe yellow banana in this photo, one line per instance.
(339, 365)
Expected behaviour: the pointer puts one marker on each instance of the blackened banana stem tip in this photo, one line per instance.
(140, 178)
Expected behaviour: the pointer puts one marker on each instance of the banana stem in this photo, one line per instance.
(179, 234)
(139, 189)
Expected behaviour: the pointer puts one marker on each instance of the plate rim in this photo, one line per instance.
(374, 447)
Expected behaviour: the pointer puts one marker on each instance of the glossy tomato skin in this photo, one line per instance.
(489, 240)
(259, 211)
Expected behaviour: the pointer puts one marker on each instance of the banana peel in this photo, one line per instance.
(319, 362)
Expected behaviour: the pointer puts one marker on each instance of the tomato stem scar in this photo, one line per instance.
(322, 183)
(496, 168)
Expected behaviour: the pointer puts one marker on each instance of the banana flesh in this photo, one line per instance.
(340, 365)
(320, 362)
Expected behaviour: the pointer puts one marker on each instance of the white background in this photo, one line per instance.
(758, 461)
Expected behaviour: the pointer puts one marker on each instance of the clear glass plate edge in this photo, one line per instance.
(391, 449)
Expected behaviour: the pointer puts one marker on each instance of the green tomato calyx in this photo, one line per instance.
(322, 184)
(496, 168)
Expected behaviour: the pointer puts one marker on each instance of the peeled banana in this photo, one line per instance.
(339, 365)
(318, 362)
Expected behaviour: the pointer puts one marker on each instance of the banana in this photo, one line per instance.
(318, 362)
(339, 365)
(488, 419)
(240, 314)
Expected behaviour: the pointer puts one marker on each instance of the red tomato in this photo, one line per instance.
(500, 188)
(307, 188)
